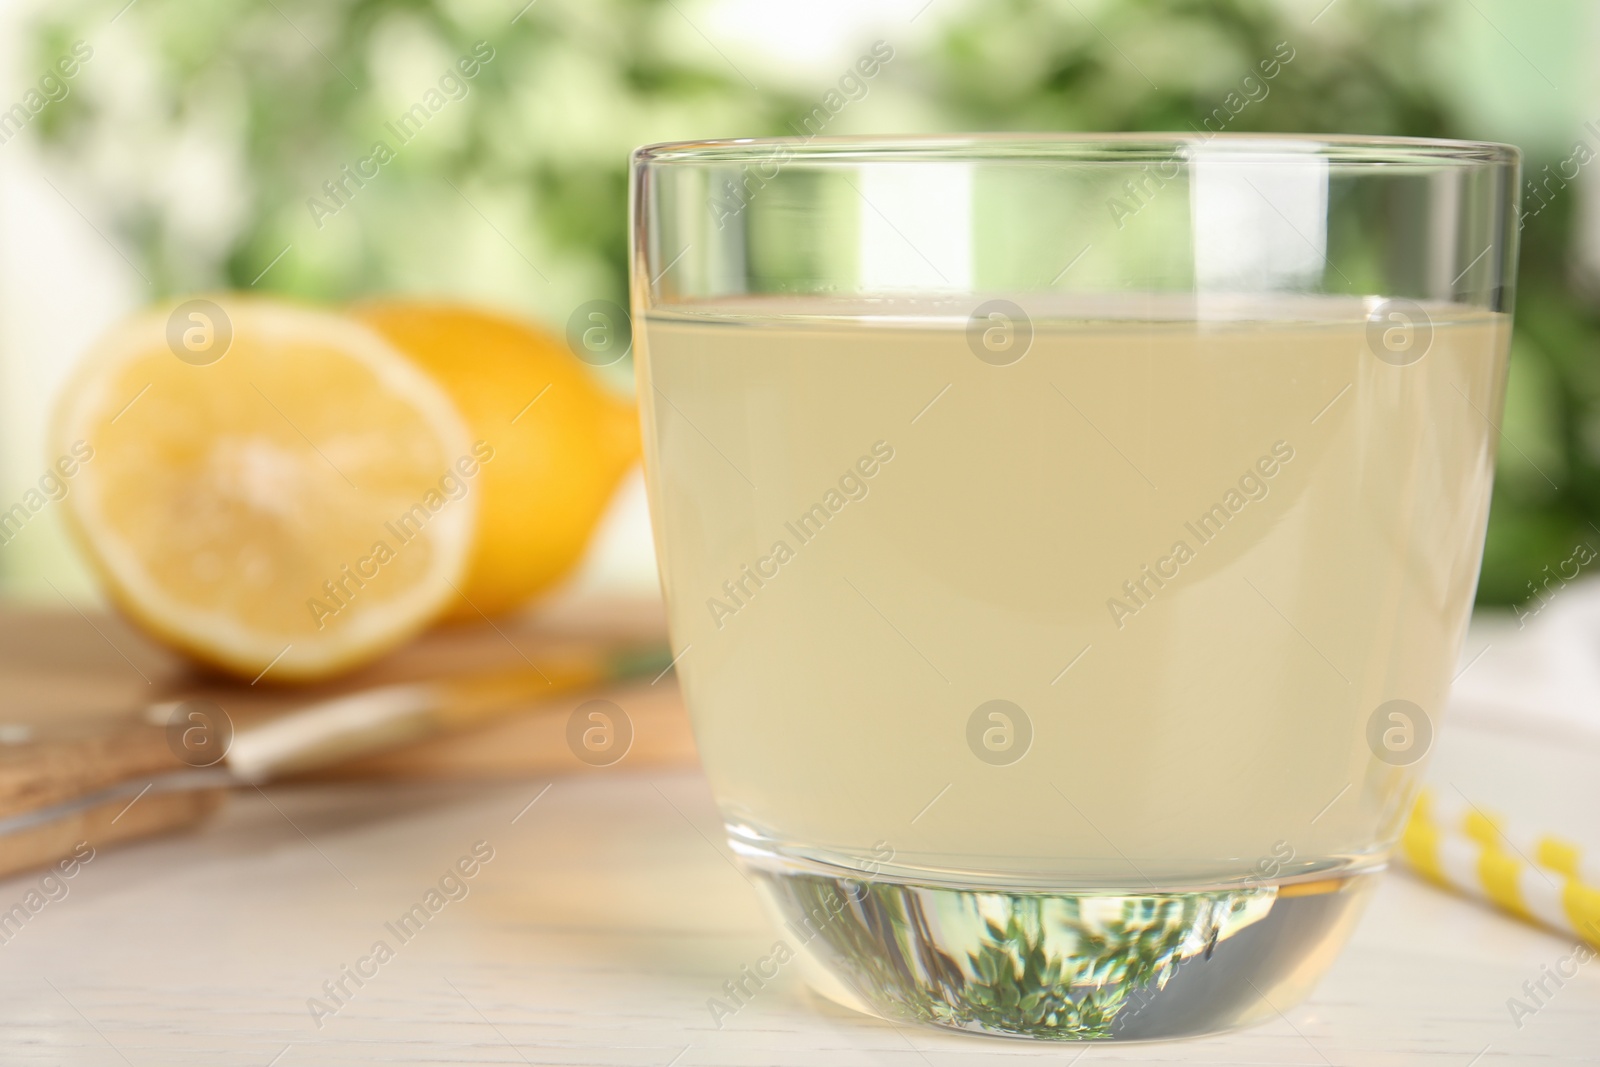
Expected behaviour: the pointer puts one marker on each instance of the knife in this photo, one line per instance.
(330, 731)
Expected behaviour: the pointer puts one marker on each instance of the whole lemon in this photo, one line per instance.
(561, 442)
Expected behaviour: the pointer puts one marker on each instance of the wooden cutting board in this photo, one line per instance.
(75, 686)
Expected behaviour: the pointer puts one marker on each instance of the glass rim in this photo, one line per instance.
(1081, 148)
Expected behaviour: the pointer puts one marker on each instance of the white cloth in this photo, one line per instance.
(1535, 669)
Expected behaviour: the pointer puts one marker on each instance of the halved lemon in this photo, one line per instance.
(270, 488)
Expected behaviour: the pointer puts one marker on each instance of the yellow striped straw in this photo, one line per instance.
(1538, 878)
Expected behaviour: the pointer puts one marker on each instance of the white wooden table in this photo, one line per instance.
(608, 916)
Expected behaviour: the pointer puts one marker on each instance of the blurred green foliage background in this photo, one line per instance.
(207, 150)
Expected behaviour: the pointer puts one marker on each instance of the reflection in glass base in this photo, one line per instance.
(1064, 967)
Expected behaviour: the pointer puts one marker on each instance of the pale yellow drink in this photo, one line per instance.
(1198, 554)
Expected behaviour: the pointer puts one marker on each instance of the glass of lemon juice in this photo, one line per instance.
(1067, 542)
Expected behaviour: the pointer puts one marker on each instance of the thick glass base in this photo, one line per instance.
(1064, 966)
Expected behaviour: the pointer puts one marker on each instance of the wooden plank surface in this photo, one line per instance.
(75, 689)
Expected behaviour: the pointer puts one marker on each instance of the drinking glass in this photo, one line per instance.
(1067, 541)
